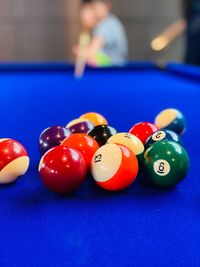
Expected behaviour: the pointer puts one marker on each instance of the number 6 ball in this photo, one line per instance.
(167, 163)
(114, 167)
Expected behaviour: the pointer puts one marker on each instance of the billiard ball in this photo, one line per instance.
(171, 119)
(62, 169)
(84, 144)
(14, 160)
(95, 118)
(162, 135)
(102, 133)
(143, 130)
(130, 141)
(52, 137)
(114, 167)
(80, 126)
(167, 163)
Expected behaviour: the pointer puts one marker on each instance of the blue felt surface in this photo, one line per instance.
(141, 226)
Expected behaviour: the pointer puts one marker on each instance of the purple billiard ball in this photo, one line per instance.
(80, 126)
(52, 137)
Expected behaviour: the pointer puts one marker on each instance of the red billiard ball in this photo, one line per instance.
(62, 169)
(84, 144)
(14, 160)
(143, 130)
(114, 167)
(52, 137)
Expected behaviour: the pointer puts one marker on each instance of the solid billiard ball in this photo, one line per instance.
(62, 169)
(114, 167)
(130, 141)
(167, 163)
(14, 160)
(143, 130)
(171, 119)
(95, 118)
(162, 135)
(52, 137)
(80, 126)
(84, 144)
(102, 133)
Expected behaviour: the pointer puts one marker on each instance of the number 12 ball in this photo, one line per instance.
(114, 167)
(167, 163)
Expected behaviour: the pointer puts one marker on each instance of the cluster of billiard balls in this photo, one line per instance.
(89, 144)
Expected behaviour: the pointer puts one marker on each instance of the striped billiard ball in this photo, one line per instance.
(80, 126)
(130, 141)
(171, 119)
(14, 160)
(162, 135)
(95, 118)
(114, 167)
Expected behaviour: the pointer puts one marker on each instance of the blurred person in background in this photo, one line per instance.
(192, 14)
(105, 43)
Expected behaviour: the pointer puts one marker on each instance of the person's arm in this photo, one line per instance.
(88, 53)
(94, 47)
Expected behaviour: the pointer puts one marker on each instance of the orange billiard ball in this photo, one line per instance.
(114, 167)
(95, 118)
(84, 144)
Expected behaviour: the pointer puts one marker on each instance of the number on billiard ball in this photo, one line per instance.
(162, 135)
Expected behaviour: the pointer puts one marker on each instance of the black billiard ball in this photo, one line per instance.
(102, 133)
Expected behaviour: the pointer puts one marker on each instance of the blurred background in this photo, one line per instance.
(46, 30)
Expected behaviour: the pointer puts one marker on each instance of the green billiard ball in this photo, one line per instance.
(167, 163)
(162, 135)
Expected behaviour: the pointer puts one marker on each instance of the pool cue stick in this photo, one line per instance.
(81, 59)
(170, 34)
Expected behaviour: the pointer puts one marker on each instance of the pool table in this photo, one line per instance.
(141, 226)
